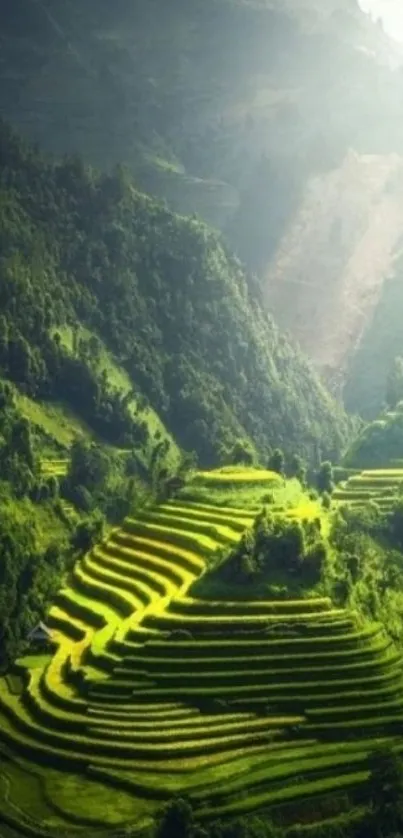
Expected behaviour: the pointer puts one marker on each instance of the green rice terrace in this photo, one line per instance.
(380, 486)
(241, 705)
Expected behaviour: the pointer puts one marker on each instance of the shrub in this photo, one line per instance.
(87, 532)
(341, 591)
(276, 461)
(326, 500)
(324, 477)
(268, 498)
(241, 453)
(176, 820)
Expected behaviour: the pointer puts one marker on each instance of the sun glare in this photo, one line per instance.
(390, 12)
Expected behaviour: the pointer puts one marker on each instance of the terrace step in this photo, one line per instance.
(218, 531)
(207, 608)
(143, 565)
(213, 624)
(210, 647)
(223, 677)
(238, 522)
(157, 575)
(141, 591)
(71, 627)
(283, 660)
(199, 732)
(294, 692)
(207, 508)
(202, 545)
(156, 549)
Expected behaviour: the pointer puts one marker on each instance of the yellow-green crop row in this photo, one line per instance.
(201, 545)
(227, 475)
(184, 558)
(226, 517)
(142, 592)
(296, 608)
(144, 565)
(196, 529)
(158, 576)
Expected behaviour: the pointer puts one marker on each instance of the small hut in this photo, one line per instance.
(40, 636)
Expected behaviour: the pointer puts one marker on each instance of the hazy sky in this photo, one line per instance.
(391, 12)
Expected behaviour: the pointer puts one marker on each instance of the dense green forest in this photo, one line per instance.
(166, 297)
(90, 266)
(372, 363)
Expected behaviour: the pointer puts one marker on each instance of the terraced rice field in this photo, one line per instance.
(379, 485)
(55, 467)
(242, 705)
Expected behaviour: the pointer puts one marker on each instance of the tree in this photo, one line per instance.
(298, 469)
(394, 383)
(88, 531)
(4, 336)
(396, 523)
(176, 821)
(326, 500)
(89, 466)
(21, 441)
(276, 461)
(386, 781)
(324, 477)
(242, 452)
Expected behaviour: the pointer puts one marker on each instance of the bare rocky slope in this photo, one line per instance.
(327, 274)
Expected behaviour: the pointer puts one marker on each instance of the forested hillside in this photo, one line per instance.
(372, 363)
(250, 133)
(168, 300)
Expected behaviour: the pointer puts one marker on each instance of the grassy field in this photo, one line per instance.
(151, 691)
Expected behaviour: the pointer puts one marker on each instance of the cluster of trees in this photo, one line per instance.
(367, 568)
(101, 482)
(29, 576)
(379, 443)
(243, 452)
(19, 465)
(37, 545)
(375, 374)
(275, 546)
(382, 817)
(165, 296)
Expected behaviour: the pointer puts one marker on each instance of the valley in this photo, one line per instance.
(201, 420)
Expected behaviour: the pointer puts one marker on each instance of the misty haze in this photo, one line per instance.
(201, 419)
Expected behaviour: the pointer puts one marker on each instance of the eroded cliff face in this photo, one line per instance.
(327, 274)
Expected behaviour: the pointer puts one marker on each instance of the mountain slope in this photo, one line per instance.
(135, 82)
(238, 132)
(382, 342)
(333, 258)
(165, 297)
